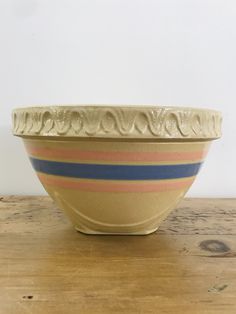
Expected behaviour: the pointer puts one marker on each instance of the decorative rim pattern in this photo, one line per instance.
(117, 122)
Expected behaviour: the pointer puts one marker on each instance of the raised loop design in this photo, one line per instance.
(117, 122)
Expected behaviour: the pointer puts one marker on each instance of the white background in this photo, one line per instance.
(117, 52)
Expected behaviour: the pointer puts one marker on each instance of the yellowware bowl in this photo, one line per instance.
(116, 170)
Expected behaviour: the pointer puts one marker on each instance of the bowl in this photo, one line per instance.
(116, 169)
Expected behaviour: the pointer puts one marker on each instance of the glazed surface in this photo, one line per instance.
(116, 187)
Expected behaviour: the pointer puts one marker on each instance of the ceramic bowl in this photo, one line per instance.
(116, 170)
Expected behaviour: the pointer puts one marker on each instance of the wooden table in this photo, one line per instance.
(188, 266)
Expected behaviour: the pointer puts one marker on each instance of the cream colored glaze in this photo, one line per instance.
(73, 134)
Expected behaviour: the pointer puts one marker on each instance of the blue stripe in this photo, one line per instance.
(115, 172)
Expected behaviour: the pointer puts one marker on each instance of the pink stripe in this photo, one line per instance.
(96, 186)
(75, 154)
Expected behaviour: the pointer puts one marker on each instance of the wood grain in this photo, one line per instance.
(188, 266)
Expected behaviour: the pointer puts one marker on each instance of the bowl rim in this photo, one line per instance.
(117, 121)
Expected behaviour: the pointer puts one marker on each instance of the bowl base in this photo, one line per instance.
(94, 232)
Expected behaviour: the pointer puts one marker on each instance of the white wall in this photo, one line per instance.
(119, 51)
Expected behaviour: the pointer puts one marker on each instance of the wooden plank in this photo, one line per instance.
(188, 266)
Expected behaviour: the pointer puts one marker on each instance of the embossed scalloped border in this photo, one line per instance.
(117, 121)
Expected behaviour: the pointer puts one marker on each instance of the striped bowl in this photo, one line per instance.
(116, 170)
